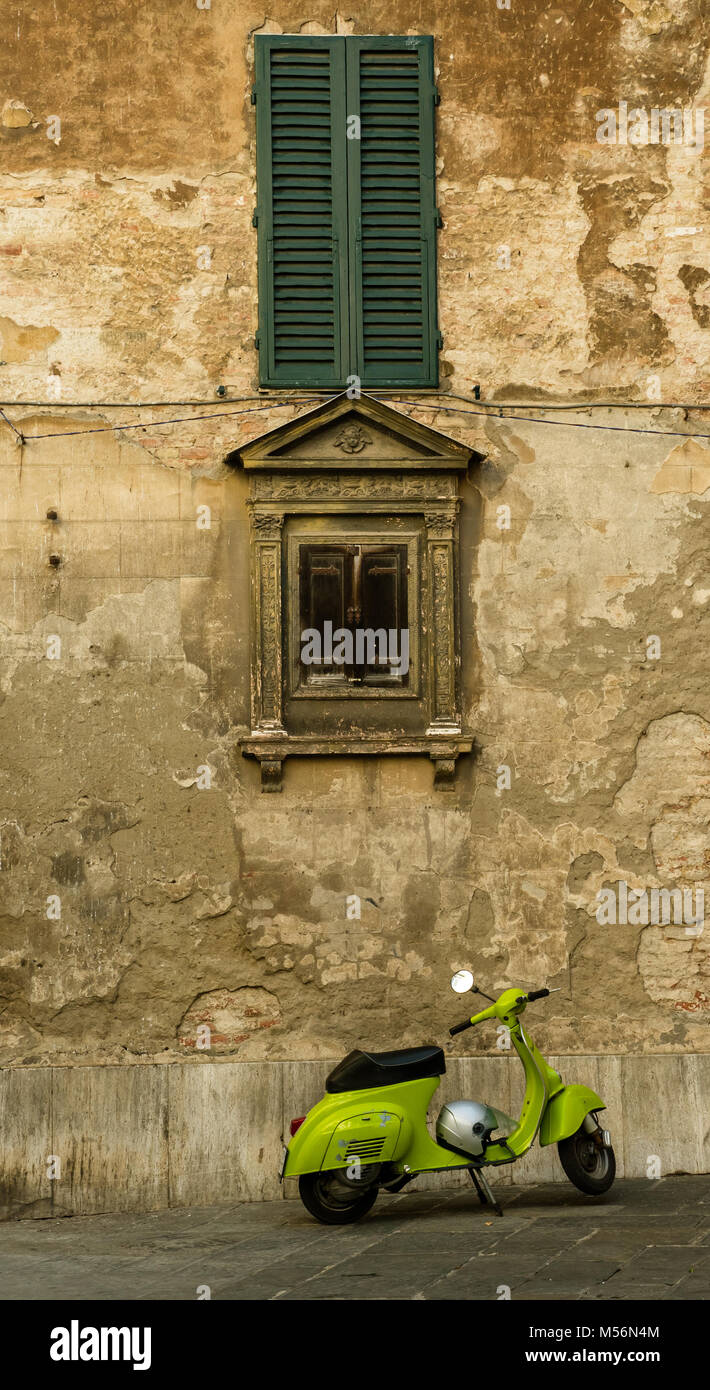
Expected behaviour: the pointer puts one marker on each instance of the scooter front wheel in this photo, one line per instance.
(590, 1166)
(333, 1199)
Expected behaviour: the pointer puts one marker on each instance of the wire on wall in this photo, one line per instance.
(431, 401)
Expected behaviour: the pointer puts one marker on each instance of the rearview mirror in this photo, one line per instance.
(462, 981)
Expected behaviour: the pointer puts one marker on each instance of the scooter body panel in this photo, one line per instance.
(541, 1082)
(370, 1137)
(566, 1111)
(351, 1124)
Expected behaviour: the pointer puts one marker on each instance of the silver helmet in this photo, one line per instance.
(467, 1125)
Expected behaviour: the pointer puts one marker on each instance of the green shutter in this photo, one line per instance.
(347, 226)
(302, 211)
(392, 212)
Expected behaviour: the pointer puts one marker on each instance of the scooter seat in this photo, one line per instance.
(361, 1071)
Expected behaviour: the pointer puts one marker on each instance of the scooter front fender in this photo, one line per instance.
(566, 1111)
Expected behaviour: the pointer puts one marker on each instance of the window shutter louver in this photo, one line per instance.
(347, 225)
(392, 211)
(302, 210)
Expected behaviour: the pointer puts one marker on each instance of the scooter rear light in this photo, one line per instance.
(296, 1124)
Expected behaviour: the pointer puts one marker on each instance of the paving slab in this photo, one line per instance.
(646, 1240)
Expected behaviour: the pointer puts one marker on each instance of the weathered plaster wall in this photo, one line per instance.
(100, 232)
(181, 905)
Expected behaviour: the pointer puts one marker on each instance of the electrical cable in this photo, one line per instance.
(565, 424)
(497, 406)
(19, 434)
(149, 424)
(140, 405)
(446, 395)
(581, 405)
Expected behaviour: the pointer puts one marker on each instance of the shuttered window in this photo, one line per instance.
(346, 212)
(353, 614)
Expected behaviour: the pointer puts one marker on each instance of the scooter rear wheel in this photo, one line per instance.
(334, 1200)
(589, 1166)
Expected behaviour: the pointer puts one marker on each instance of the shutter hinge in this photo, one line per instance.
(437, 96)
(255, 218)
(257, 340)
(439, 340)
(438, 219)
(253, 96)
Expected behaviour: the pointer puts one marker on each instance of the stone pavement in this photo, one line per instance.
(646, 1240)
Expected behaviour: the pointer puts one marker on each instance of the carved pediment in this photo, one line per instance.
(353, 434)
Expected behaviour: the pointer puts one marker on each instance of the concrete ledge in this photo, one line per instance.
(141, 1138)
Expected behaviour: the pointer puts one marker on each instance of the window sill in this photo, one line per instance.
(271, 750)
(353, 692)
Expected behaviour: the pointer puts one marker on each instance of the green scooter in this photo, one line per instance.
(369, 1131)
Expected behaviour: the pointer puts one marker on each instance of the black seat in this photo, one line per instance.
(360, 1071)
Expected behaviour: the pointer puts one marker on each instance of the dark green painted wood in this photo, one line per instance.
(392, 211)
(346, 226)
(302, 209)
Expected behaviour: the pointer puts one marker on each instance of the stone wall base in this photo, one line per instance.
(145, 1137)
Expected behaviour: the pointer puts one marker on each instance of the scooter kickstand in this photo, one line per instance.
(483, 1189)
(477, 1185)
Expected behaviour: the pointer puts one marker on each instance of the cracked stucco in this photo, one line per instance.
(181, 905)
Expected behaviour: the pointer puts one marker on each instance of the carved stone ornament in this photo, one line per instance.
(268, 524)
(352, 439)
(289, 486)
(440, 524)
(271, 774)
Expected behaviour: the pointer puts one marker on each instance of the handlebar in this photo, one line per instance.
(491, 1013)
(459, 1027)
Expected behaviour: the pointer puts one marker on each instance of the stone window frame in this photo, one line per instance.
(368, 482)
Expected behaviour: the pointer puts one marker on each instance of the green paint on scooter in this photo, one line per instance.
(387, 1125)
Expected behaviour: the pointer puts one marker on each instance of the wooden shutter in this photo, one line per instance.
(302, 211)
(346, 225)
(384, 594)
(392, 212)
(383, 582)
(325, 574)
